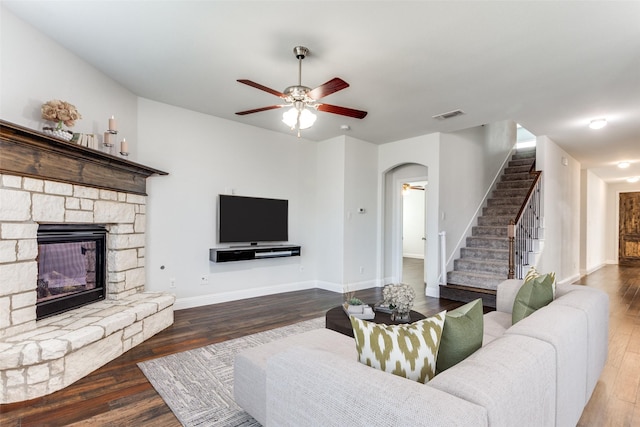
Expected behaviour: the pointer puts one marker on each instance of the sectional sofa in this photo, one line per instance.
(540, 371)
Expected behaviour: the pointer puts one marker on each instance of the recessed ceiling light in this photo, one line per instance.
(598, 123)
(345, 127)
(633, 179)
(624, 165)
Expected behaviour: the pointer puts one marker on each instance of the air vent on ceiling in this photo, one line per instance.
(448, 115)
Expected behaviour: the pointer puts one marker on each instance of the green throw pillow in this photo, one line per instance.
(408, 351)
(536, 292)
(533, 273)
(461, 335)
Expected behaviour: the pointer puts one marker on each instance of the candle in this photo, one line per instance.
(112, 124)
(124, 146)
(107, 138)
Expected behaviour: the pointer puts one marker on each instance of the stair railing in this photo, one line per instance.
(524, 229)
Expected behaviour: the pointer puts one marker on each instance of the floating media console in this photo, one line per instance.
(252, 252)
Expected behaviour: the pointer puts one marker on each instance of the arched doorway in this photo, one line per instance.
(395, 228)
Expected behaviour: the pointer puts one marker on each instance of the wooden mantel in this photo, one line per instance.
(27, 152)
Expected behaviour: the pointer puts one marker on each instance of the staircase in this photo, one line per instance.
(484, 262)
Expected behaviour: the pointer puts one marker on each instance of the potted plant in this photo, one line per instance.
(353, 304)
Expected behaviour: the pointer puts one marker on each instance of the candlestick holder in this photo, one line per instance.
(107, 143)
(124, 153)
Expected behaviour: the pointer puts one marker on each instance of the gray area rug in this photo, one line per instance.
(198, 384)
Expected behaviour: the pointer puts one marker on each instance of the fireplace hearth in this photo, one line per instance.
(71, 267)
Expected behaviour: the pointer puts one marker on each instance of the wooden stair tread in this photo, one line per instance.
(471, 289)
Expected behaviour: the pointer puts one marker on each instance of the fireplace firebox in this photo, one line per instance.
(71, 267)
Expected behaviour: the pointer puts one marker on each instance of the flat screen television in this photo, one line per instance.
(252, 219)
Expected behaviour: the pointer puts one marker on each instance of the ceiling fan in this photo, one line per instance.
(302, 98)
(406, 187)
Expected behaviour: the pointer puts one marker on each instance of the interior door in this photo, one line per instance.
(629, 238)
(413, 223)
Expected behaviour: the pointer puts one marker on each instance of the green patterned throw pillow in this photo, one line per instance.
(536, 292)
(408, 351)
(461, 335)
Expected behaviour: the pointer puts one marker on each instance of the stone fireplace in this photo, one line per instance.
(58, 185)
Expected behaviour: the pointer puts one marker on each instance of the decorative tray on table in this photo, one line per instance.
(365, 313)
(383, 309)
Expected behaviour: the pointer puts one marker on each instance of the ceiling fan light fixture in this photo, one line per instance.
(298, 118)
(307, 119)
(290, 117)
(598, 123)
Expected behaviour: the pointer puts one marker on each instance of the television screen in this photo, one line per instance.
(252, 219)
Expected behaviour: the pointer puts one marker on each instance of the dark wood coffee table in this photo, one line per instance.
(337, 320)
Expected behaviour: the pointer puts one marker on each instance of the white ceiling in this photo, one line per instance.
(549, 65)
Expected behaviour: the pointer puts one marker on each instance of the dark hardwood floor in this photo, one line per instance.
(118, 394)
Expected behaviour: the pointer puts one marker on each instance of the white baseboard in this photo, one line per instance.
(330, 286)
(432, 291)
(389, 280)
(570, 280)
(415, 256)
(591, 270)
(200, 300)
(350, 287)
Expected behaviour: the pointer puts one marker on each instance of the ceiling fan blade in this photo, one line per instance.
(257, 110)
(343, 111)
(332, 86)
(261, 87)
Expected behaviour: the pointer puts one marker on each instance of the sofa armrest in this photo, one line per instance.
(506, 294)
(313, 387)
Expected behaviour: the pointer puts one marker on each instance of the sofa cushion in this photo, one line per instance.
(513, 377)
(495, 324)
(566, 329)
(249, 371)
(317, 388)
(408, 351)
(461, 334)
(506, 295)
(535, 293)
(595, 304)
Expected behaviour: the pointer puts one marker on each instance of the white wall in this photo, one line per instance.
(613, 217)
(34, 69)
(347, 181)
(561, 206)
(206, 156)
(330, 201)
(593, 227)
(360, 230)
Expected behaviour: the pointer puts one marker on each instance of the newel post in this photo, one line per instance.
(511, 232)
